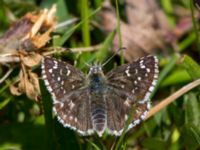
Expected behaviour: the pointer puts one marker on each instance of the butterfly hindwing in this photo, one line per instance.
(119, 106)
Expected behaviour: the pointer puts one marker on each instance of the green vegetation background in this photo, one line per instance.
(22, 124)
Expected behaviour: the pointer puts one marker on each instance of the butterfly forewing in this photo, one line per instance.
(61, 78)
(70, 97)
(131, 86)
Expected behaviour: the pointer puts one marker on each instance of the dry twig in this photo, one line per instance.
(6, 75)
(172, 98)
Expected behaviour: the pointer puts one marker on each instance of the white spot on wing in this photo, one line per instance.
(50, 70)
(68, 72)
(55, 67)
(70, 117)
(151, 89)
(71, 105)
(127, 71)
(148, 70)
(127, 102)
(126, 117)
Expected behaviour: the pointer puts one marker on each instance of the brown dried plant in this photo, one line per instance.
(23, 43)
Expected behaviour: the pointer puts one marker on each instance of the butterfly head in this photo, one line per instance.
(95, 70)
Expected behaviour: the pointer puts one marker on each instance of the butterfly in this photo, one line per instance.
(98, 102)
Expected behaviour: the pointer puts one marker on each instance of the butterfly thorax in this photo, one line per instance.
(96, 79)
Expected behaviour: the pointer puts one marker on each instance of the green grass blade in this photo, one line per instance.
(196, 135)
(165, 71)
(168, 8)
(120, 143)
(103, 51)
(177, 77)
(85, 24)
(47, 104)
(69, 32)
(194, 22)
(62, 11)
(191, 66)
(119, 31)
(5, 102)
(186, 42)
(192, 111)
(94, 145)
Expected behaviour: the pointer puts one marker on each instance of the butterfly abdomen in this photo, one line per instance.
(99, 119)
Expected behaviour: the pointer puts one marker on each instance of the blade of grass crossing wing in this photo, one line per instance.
(120, 143)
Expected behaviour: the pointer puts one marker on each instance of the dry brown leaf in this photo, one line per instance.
(17, 88)
(32, 59)
(35, 94)
(30, 33)
(145, 30)
(27, 83)
(24, 40)
(14, 89)
(22, 83)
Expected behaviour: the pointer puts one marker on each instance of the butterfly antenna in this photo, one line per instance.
(88, 65)
(119, 50)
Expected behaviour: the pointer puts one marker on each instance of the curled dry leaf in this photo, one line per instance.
(14, 88)
(26, 83)
(17, 88)
(33, 59)
(32, 86)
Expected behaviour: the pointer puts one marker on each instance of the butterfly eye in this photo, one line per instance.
(95, 70)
